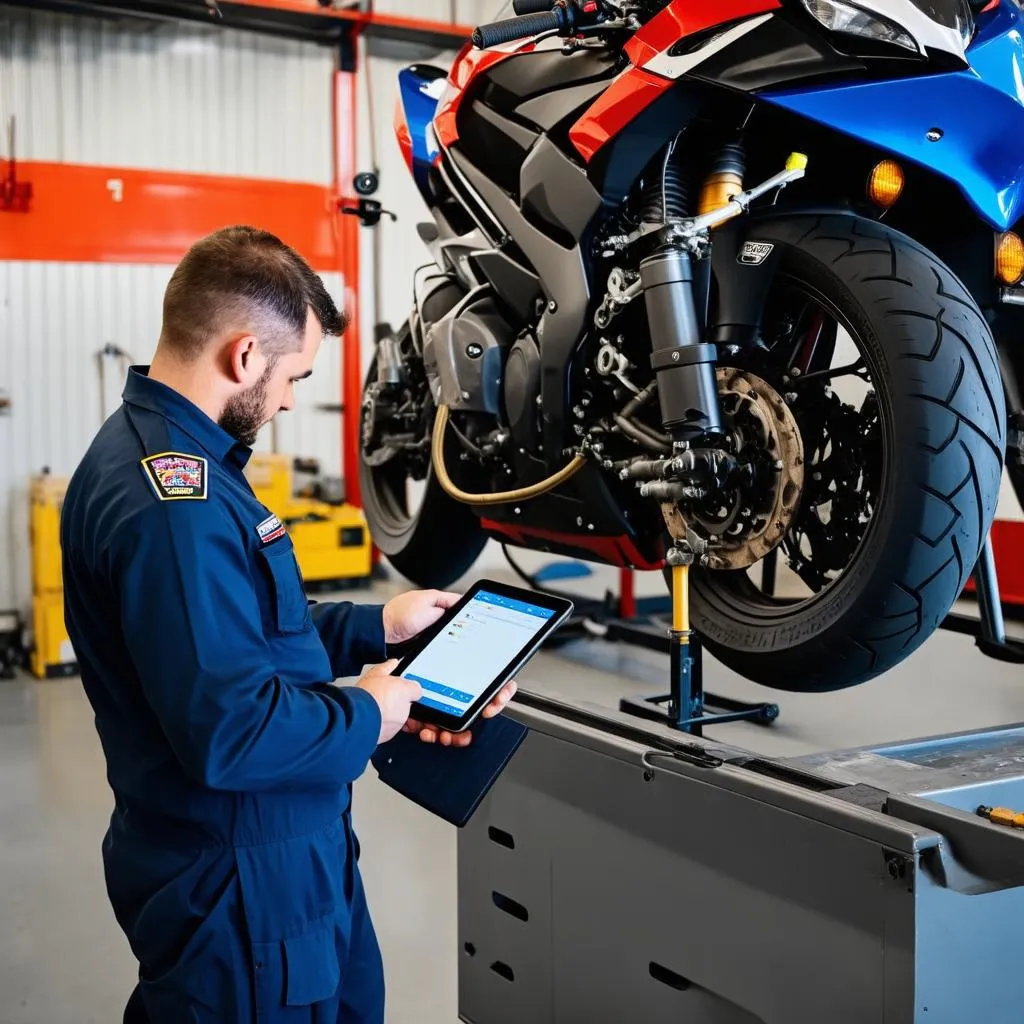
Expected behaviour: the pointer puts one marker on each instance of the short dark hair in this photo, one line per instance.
(244, 278)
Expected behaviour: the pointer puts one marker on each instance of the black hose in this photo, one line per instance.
(638, 434)
(465, 442)
(529, 580)
(641, 399)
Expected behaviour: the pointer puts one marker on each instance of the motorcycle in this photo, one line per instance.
(736, 279)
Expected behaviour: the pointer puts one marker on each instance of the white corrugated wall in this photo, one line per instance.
(166, 96)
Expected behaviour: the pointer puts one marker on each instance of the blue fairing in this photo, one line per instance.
(980, 111)
(420, 95)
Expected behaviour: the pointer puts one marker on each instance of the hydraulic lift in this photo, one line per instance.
(619, 871)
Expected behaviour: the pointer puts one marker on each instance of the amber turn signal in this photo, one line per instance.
(1009, 258)
(886, 183)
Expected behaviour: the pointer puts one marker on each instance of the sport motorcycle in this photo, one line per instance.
(736, 278)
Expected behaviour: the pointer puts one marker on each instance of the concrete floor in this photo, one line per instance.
(64, 961)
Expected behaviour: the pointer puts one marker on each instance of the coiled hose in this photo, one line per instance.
(499, 497)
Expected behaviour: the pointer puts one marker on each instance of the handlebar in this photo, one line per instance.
(500, 32)
(534, 6)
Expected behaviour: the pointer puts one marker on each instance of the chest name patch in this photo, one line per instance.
(270, 529)
(177, 477)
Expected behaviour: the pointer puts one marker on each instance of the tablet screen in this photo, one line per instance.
(471, 651)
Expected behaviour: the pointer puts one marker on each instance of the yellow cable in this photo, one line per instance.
(500, 497)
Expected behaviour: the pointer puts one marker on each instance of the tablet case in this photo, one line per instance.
(449, 781)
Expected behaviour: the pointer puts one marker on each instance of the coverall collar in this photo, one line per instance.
(149, 394)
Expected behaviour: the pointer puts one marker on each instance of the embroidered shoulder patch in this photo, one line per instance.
(176, 477)
(270, 529)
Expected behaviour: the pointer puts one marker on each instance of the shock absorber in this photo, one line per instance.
(684, 366)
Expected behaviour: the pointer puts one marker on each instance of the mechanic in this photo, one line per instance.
(230, 859)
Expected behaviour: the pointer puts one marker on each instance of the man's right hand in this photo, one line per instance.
(394, 697)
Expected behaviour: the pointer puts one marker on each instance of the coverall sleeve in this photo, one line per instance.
(353, 635)
(191, 619)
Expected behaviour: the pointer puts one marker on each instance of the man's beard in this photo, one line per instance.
(242, 417)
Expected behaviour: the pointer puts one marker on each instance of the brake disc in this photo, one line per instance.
(746, 523)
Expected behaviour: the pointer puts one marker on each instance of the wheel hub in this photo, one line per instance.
(744, 523)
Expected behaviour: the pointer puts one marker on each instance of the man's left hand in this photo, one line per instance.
(432, 734)
(409, 614)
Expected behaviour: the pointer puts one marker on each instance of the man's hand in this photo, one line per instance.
(409, 614)
(394, 696)
(432, 734)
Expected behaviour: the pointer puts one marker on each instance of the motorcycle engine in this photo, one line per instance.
(464, 356)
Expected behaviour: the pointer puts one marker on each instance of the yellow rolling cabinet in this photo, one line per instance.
(52, 653)
(270, 477)
(332, 543)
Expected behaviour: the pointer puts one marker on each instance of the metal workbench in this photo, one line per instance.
(610, 878)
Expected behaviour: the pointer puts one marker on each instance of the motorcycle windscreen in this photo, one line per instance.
(965, 126)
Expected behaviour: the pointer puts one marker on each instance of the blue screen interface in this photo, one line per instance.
(465, 658)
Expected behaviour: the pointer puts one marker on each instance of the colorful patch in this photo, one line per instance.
(270, 529)
(176, 477)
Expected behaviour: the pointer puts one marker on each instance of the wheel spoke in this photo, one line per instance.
(857, 369)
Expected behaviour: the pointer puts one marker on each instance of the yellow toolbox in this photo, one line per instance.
(270, 477)
(46, 496)
(332, 543)
(52, 653)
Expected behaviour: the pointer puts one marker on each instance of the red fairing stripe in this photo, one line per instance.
(635, 89)
(620, 551)
(627, 97)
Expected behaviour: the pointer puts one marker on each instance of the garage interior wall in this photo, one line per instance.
(136, 94)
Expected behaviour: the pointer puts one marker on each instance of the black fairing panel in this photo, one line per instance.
(496, 145)
(556, 194)
(563, 274)
(531, 74)
(521, 136)
(798, 52)
(552, 108)
(586, 497)
(617, 166)
(517, 287)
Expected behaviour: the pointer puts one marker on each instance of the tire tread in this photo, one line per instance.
(942, 361)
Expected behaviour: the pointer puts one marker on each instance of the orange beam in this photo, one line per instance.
(311, 7)
(344, 136)
(87, 214)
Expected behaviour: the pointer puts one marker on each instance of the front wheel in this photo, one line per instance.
(892, 374)
(428, 537)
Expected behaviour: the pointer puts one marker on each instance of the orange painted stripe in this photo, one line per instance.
(93, 214)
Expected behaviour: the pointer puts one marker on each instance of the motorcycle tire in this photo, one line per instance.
(432, 545)
(935, 371)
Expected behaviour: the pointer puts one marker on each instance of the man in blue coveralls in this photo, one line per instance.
(230, 859)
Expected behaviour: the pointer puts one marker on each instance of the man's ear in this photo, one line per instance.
(245, 361)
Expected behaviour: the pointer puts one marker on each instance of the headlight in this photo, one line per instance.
(839, 16)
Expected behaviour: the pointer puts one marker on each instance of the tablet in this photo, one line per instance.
(477, 647)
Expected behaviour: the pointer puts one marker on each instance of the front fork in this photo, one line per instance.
(683, 364)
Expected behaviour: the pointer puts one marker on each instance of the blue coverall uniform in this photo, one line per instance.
(230, 860)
